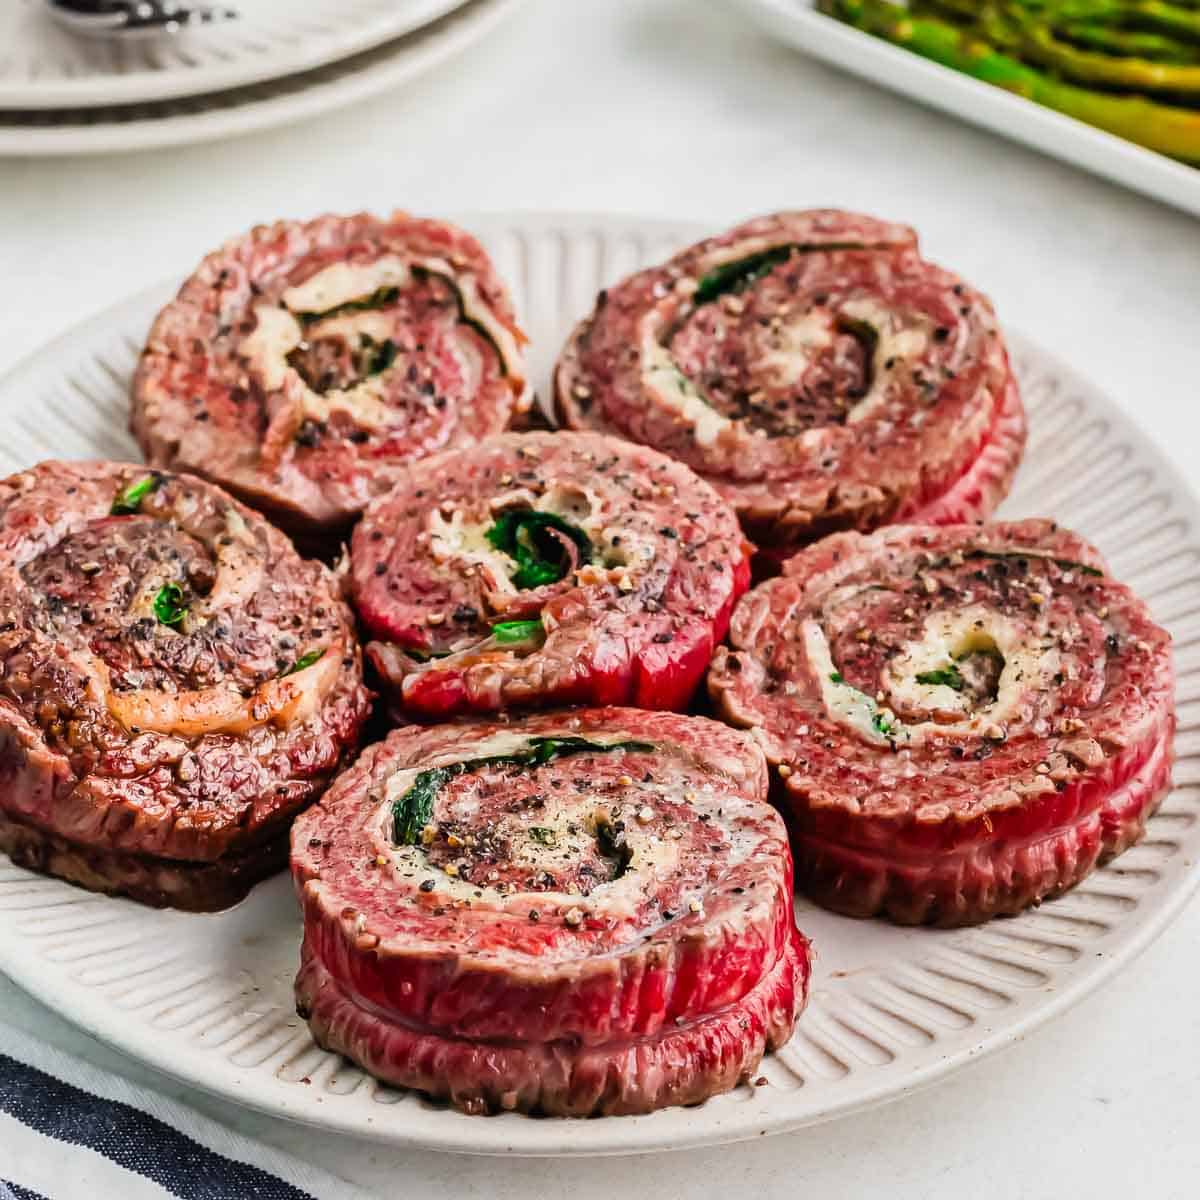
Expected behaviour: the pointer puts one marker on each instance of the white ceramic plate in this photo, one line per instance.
(797, 22)
(208, 998)
(45, 66)
(265, 105)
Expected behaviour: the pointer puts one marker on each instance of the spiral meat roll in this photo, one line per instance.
(539, 569)
(965, 720)
(176, 683)
(815, 369)
(302, 363)
(587, 913)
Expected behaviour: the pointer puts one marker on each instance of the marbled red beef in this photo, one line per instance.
(539, 569)
(589, 912)
(175, 683)
(814, 369)
(302, 363)
(964, 719)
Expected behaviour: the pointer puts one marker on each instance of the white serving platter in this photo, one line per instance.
(184, 120)
(799, 24)
(43, 65)
(207, 998)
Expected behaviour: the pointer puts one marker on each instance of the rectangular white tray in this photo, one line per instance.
(797, 22)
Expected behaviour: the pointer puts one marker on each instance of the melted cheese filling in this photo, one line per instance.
(654, 855)
(893, 344)
(453, 538)
(946, 636)
(676, 393)
(278, 332)
(239, 572)
(476, 310)
(798, 341)
(651, 856)
(342, 283)
(845, 704)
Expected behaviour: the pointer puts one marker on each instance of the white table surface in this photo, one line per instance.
(673, 107)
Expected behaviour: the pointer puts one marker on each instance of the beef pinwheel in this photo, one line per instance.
(175, 683)
(815, 369)
(303, 362)
(539, 569)
(587, 913)
(966, 720)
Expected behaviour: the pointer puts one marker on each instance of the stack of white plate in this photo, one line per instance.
(277, 62)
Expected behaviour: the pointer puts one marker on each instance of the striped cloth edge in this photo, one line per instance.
(70, 1131)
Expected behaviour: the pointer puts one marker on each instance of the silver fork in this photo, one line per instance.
(133, 18)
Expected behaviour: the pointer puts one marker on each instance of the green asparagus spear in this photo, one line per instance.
(1169, 130)
(1134, 43)
(1109, 37)
(958, 12)
(1125, 22)
(1037, 44)
(1160, 15)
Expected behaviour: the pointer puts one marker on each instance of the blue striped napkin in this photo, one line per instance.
(69, 1131)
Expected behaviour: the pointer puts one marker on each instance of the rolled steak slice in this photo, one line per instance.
(587, 913)
(815, 369)
(539, 569)
(303, 362)
(965, 720)
(176, 683)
